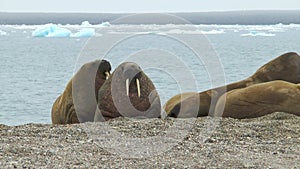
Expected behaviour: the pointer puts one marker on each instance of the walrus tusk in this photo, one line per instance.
(107, 74)
(127, 87)
(138, 87)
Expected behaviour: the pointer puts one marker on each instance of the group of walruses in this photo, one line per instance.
(93, 94)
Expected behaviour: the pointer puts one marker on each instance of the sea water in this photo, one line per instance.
(35, 71)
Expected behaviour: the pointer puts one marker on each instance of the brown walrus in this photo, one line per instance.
(259, 100)
(285, 67)
(79, 100)
(128, 92)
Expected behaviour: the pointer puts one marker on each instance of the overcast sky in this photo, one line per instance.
(104, 6)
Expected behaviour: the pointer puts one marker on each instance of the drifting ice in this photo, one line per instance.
(86, 32)
(85, 24)
(3, 33)
(51, 30)
(105, 24)
(255, 33)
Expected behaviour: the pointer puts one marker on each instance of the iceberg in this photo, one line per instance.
(86, 32)
(85, 24)
(61, 32)
(51, 30)
(105, 24)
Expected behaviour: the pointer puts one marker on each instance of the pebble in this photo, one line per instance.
(264, 141)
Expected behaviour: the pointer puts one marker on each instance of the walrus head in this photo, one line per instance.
(78, 102)
(128, 92)
(104, 69)
(85, 86)
(103, 72)
(285, 67)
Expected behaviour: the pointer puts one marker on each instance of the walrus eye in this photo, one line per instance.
(107, 74)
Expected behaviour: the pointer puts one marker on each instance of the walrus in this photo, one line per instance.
(259, 100)
(285, 67)
(78, 102)
(128, 92)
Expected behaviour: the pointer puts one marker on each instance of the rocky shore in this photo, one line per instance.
(271, 141)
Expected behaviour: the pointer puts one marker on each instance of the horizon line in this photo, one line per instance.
(155, 12)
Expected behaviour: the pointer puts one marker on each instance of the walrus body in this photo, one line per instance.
(170, 106)
(78, 102)
(128, 92)
(285, 67)
(259, 100)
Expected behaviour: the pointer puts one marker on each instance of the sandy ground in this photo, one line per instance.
(272, 141)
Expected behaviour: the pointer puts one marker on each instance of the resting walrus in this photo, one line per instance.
(79, 100)
(259, 100)
(285, 67)
(128, 92)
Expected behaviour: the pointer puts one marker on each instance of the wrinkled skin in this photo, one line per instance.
(79, 100)
(285, 67)
(114, 101)
(259, 100)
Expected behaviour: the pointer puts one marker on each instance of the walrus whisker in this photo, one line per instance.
(138, 87)
(127, 87)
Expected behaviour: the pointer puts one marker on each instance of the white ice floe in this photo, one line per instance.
(256, 33)
(213, 32)
(85, 32)
(237, 28)
(2, 33)
(196, 31)
(104, 24)
(85, 24)
(275, 28)
(80, 30)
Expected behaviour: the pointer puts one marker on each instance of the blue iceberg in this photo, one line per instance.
(86, 32)
(51, 30)
(105, 24)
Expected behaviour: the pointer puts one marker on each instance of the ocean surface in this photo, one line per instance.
(178, 58)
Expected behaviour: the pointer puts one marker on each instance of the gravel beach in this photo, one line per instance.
(271, 141)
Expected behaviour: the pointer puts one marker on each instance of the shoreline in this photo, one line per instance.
(270, 141)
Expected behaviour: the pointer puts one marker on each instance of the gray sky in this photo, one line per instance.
(103, 6)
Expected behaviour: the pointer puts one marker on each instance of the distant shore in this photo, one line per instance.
(267, 142)
(228, 18)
